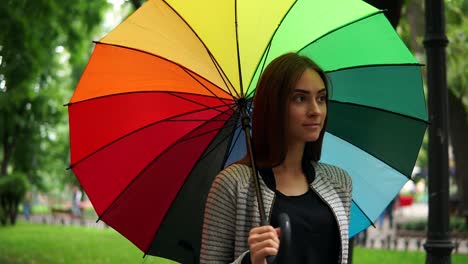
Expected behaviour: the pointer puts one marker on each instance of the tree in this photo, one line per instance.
(44, 46)
(12, 190)
(412, 28)
(457, 31)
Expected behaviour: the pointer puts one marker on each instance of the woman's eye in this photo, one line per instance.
(322, 98)
(299, 98)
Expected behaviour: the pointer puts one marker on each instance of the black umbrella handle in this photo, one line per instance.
(285, 241)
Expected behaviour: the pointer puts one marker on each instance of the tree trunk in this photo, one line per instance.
(9, 142)
(416, 25)
(458, 121)
(3, 213)
(13, 214)
(6, 154)
(8, 148)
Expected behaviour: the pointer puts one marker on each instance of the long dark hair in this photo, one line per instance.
(270, 113)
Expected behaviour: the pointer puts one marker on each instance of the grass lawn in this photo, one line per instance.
(368, 256)
(47, 244)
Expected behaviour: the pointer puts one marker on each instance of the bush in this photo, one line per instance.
(13, 188)
(457, 224)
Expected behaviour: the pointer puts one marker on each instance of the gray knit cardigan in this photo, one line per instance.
(231, 210)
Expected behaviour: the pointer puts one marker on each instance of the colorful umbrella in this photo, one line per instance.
(155, 115)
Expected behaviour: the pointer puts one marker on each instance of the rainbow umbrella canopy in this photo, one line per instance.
(155, 115)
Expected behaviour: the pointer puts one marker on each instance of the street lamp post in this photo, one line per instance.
(438, 245)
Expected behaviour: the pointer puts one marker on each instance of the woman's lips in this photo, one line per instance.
(312, 125)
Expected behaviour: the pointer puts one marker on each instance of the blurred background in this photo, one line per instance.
(46, 217)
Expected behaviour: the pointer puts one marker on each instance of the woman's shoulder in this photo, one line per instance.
(333, 169)
(333, 172)
(235, 174)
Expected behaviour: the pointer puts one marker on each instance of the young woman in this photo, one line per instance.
(288, 125)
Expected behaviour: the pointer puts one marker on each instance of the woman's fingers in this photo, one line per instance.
(266, 244)
(259, 237)
(278, 231)
(259, 251)
(263, 242)
(261, 229)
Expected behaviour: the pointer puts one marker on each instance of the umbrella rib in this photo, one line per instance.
(381, 110)
(249, 108)
(196, 120)
(221, 74)
(198, 103)
(340, 27)
(230, 144)
(144, 169)
(263, 66)
(205, 87)
(201, 41)
(231, 148)
(134, 92)
(362, 211)
(272, 36)
(137, 130)
(206, 132)
(238, 51)
(221, 141)
(375, 65)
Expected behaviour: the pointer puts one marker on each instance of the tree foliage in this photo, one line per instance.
(44, 45)
(457, 31)
(12, 190)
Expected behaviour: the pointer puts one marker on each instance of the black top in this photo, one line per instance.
(315, 236)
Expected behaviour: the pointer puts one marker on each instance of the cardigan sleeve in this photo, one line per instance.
(218, 234)
(347, 185)
(350, 192)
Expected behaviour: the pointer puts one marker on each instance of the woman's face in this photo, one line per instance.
(307, 108)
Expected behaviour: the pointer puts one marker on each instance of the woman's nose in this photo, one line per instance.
(313, 109)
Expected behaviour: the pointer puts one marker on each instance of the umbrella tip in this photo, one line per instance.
(241, 102)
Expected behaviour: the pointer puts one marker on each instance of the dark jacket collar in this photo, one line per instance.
(269, 178)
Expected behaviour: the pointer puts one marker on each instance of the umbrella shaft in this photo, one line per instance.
(246, 126)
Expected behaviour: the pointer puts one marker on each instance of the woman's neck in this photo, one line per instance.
(289, 176)
(293, 161)
(292, 164)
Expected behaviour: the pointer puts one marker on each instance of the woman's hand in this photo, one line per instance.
(263, 242)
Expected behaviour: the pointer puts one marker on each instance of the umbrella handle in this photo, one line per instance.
(285, 241)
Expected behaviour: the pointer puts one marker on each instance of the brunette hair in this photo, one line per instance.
(270, 113)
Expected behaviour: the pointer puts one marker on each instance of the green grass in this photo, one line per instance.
(368, 256)
(47, 244)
